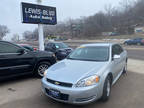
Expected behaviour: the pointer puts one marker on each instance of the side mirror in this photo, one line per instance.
(54, 48)
(21, 51)
(116, 57)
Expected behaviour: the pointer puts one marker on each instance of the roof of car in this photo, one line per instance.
(54, 42)
(98, 44)
(23, 44)
(11, 43)
(4, 41)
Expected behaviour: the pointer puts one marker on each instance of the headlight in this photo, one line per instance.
(53, 55)
(89, 81)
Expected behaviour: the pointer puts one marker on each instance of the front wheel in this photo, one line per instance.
(41, 68)
(125, 69)
(106, 89)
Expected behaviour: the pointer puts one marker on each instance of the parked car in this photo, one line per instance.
(28, 47)
(86, 75)
(15, 60)
(60, 49)
(135, 41)
(114, 34)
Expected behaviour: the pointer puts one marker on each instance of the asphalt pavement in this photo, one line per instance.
(136, 54)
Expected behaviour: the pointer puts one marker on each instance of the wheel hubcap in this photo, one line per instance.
(108, 88)
(42, 68)
(126, 68)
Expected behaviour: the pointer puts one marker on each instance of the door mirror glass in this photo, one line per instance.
(116, 57)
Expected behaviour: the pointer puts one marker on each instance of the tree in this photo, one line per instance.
(15, 38)
(3, 31)
(31, 35)
(28, 35)
(35, 34)
(121, 19)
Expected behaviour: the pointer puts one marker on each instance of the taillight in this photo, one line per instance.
(142, 41)
(35, 49)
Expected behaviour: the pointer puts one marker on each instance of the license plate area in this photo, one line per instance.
(57, 94)
(54, 93)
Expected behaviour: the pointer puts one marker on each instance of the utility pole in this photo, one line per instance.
(40, 32)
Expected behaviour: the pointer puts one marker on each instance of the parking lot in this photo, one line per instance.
(72, 54)
(128, 92)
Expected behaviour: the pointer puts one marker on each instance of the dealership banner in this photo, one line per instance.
(38, 14)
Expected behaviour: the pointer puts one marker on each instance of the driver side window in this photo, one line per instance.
(115, 50)
(8, 48)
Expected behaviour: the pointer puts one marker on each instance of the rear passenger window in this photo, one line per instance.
(48, 45)
(120, 49)
(114, 50)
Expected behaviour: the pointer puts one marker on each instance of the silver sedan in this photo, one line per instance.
(86, 75)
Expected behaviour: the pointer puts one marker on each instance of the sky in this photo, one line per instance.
(10, 12)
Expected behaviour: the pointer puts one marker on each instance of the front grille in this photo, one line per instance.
(59, 83)
(62, 96)
(68, 51)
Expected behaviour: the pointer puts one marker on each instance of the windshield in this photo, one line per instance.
(60, 45)
(90, 54)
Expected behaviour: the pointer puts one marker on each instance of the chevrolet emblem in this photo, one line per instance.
(57, 83)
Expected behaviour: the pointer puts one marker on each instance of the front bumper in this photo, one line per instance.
(75, 95)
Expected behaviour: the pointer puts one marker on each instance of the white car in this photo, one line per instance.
(87, 74)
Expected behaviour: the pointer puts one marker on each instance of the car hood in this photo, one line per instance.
(66, 49)
(71, 71)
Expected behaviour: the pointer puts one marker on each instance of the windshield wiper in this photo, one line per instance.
(71, 58)
(86, 59)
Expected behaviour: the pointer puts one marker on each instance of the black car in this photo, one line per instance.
(60, 49)
(15, 60)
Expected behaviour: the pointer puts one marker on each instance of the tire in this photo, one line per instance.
(41, 67)
(125, 43)
(125, 68)
(106, 89)
(138, 44)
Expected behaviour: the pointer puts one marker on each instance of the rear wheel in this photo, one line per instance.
(41, 68)
(138, 43)
(106, 89)
(126, 43)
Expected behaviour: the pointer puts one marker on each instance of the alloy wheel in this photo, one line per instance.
(42, 68)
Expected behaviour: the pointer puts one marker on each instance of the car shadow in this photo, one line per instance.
(16, 79)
